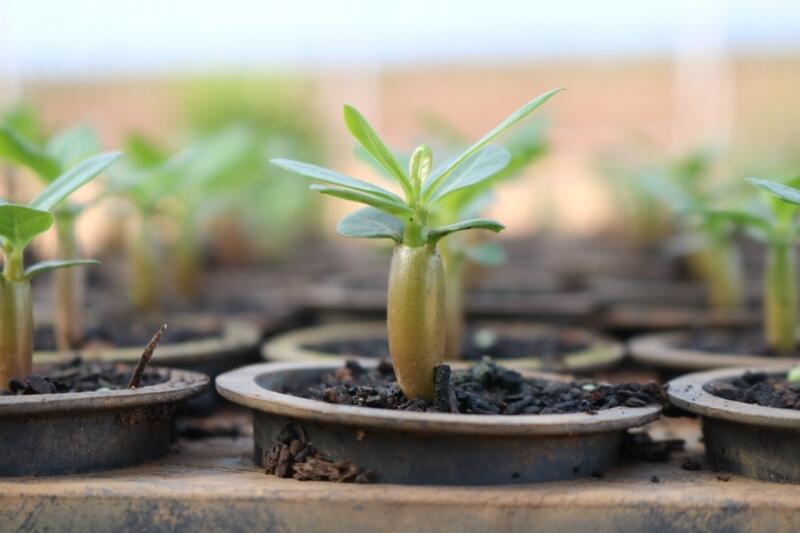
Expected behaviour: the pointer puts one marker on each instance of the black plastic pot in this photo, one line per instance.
(90, 431)
(751, 440)
(666, 353)
(431, 448)
(231, 344)
(600, 353)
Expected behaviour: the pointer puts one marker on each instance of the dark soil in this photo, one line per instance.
(746, 342)
(758, 388)
(122, 334)
(84, 376)
(551, 347)
(485, 388)
(293, 456)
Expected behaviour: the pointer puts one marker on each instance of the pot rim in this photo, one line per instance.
(182, 385)
(241, 386)
(236, 334)
(658, 349)
(687, 392)
(602, 352)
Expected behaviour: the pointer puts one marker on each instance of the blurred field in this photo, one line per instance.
(746, 105)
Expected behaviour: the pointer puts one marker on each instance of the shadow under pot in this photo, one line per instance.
(195, 342)
(431, 448)
(750, 418)
(515, 345)
(518, 294)
(53, 433)
(676, 353)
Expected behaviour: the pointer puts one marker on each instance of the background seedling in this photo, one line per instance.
(416, 298)
(22, 143)
(776, 225)
(19, 224)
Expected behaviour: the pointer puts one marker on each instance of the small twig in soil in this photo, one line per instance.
(147, 354)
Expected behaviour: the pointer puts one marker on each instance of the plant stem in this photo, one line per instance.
(719, 265)
(16, 321)
(144, 269)
(186, 263)
(780, 304)
(416, 317)
(70, 287)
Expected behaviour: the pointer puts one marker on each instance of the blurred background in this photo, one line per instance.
(662, 78)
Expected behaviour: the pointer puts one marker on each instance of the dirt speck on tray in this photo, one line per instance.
(484, 388)
(83, 376)
(758, 388)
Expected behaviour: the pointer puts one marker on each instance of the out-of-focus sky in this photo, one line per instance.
(75, 38)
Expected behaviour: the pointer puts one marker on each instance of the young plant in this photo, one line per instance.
(777, 227)
(683, 190)
(19, 224)
(20, 144)
(416, 297)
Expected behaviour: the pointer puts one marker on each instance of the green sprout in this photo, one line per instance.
(19, 224)
(22, 144)
(777, 227)
(682, 191)
(416, 296)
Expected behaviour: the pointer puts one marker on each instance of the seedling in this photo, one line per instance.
(19, 224)
(682, 190)
(777, 227)
(48, 160)
(416, 297)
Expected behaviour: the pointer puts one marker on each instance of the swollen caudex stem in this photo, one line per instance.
(780, 298)
(144, 287)
(16, 319)
(416, 306)
(719, 265)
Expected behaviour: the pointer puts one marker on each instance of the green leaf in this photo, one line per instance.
(392, 207)
(20, 150)
(143, 151)
(477, 168)
(474, 223)
(19, 224)
(420, 165)
(72, 180)
(784, 192)
(72, 146)
(512, 119)
(794, 375)
(371, 223)
(741, 218)
(366, 136)
(487, 254)
(331, 177)
(46, 266)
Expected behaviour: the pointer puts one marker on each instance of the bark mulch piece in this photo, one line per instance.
(293, 456)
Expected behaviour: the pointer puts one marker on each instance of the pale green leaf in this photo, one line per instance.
(19, 150)
(366, 136)
(487, 254)
(475, 223)
(794, 375)
(512, 119)
(73, 145)
(784, 192)
(371, 223)
(19, 224)
(46, 266)
(72, 180)
(394, 208)
(477, 168)
(331, 177)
